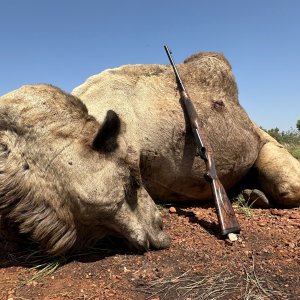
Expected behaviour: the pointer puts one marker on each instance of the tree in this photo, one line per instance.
(298, 125)
(275, 133)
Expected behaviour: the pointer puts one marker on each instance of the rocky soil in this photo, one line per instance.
(264, 263)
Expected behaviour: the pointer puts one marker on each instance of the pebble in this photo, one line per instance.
(277, 212)
(291, 245)
(262, 224)
(172, 210)
(232, 237)
(294, 216)
(34, 283)
(228, 242)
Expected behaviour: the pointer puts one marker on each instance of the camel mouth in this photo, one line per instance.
(161, 241)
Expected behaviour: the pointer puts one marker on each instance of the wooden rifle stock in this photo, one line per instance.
(226, 216)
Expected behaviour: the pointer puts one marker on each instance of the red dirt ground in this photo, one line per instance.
(263, 264)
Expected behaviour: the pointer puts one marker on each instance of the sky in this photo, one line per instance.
(63, 42)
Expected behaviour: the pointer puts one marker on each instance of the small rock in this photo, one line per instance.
(262, 224)
(172, 210)
(232, 237)
(206, 256)
(111, 294)
(294, 216)
(291, 245)
(228, 242)
(277, 212)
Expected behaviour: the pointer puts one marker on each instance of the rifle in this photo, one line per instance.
(227, 219)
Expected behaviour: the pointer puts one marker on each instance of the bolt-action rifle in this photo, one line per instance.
(227, 219)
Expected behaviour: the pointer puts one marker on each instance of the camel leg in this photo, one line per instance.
(278, 172)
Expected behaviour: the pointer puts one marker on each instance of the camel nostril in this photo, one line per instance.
(164, 240)
(160, 241)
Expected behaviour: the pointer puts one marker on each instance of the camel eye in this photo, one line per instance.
(4, 151)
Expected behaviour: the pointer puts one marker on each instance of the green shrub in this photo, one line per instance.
(294, 150)
(290, 139)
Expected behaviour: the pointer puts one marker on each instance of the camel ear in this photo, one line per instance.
(107, 135)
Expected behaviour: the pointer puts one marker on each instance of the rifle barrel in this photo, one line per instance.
(178, 79)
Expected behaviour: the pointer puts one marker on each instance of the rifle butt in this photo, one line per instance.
(226, 216)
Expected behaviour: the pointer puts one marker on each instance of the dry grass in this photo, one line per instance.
(256, 288)
(39, 264)
(214, 286)
(41, 271)
(243, 207)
